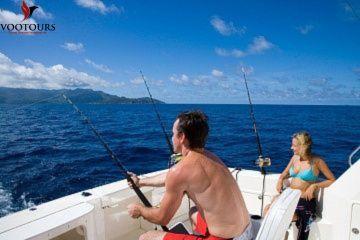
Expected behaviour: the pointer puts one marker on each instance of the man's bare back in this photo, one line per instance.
(205, 179)
(208, 182)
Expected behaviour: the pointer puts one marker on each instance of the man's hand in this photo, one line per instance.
(134, 210)
(135, 178)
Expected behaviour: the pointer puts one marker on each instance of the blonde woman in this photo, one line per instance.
(304, 167)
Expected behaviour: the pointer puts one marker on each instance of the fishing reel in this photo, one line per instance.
(263, 161)
(174, 159)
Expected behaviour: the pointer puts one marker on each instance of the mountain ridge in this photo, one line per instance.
(78, 95)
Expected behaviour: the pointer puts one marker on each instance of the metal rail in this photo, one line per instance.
(353, 154)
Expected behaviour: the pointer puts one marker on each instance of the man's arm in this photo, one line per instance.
(155, 181)
(174, 191)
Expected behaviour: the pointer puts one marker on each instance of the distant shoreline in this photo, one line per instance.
(214, 104)
(88, 96)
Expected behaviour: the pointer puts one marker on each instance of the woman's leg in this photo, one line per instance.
(305, 212)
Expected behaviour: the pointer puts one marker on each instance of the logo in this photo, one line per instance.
(28, 11)
(27, 28)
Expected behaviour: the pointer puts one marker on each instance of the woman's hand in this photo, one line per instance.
(279, 185)
(309, 193)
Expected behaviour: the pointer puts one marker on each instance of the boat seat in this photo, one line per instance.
(319, 195)
(278, 219)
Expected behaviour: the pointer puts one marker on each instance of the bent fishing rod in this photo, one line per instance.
(113, 156)
(261, 161)
(174, 158)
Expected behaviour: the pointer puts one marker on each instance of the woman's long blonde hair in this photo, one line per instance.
(305, 142)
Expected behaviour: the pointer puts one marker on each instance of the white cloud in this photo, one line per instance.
(258, 46)
(357, 70)
(246, 69)
(100, 67)
(36, 75)
(11, 17)
(198, 82)
(118, 84)
(355, 92)
(159, 83)
(40, 13)
(201, 81)
(305, 29)
(137, 81)
(237, 53)
(98, 6)
(306, 90)
(222, 52)
(183, 78)
(319, 82)
(346, 7)
(150, 82)
(73, 47)
(225, 85)
(233, 53)
(217, 73)
(350, 11)
(225, 28)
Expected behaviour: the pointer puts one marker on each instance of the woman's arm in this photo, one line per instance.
(330, 178)
(324, 169)
(284, 175)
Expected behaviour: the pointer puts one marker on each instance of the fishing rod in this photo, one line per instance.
(175, 157)
(124, 171)
(261, 161)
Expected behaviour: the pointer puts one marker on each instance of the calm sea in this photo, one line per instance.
(47, 151)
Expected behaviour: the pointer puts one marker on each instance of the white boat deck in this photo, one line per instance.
(103, 215)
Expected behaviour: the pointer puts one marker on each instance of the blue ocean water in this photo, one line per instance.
(47, 151)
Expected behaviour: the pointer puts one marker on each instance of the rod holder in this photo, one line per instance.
(263, 161)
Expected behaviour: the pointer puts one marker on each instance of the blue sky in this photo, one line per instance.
(294, 52)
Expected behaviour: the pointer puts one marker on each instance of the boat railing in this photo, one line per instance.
(353, 154)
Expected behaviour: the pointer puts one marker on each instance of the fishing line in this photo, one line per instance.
(59, 95)
(113, 156)
(261, 161)
(352, 9)
(37, 102)
(174, 158)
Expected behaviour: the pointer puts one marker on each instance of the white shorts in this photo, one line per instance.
(248, 234)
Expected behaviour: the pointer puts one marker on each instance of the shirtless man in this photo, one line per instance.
(222, 213)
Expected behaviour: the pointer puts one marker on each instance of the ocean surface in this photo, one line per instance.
(47, 151)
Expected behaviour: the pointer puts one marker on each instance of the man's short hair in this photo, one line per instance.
(194, 124)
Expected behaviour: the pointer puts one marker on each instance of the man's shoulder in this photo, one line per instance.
(178, 170)
(177, 176)
(185, 168)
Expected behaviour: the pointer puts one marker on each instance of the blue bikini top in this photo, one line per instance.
(305, 175)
